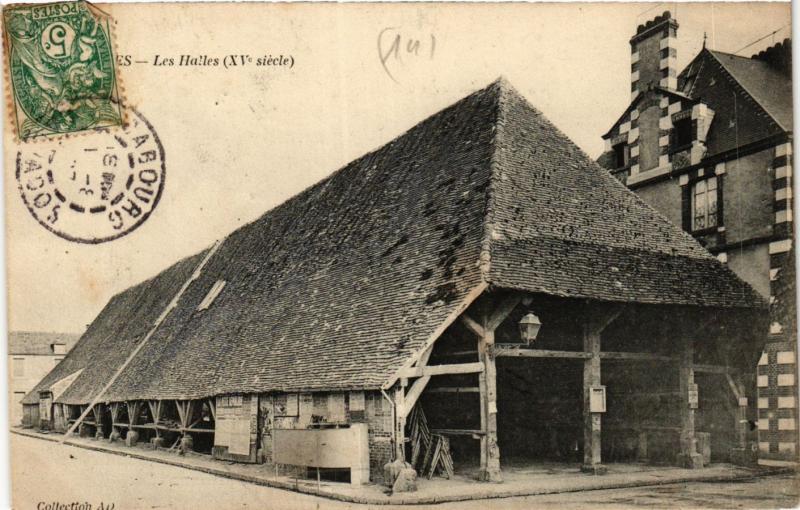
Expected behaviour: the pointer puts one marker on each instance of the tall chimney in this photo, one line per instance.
(654, 56)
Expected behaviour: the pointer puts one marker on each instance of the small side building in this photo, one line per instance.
(31, 355)
(476, 286)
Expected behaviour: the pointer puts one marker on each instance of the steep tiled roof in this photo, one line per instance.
(113, 334)
(751, 102)
(339, 286)
(562, 226)
(771, 89)
(37, 342)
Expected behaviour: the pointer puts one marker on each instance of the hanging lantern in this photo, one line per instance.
(529, 328)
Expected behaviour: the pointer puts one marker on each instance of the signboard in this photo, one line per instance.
(597, 399)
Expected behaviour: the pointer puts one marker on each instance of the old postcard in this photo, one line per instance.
(349, 255)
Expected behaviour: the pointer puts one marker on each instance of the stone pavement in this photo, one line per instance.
(528, 480)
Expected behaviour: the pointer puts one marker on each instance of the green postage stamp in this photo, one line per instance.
(61, 69)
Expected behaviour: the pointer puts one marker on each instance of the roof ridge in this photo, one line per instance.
(498, 88)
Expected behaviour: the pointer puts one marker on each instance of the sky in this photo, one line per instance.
(240, 141)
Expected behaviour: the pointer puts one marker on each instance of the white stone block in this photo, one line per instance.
(786, 447)
(720, 168)
(763, 403)
(787, 402)
(763, 447)
(786, 357)
(786, 424)
(780, 246)
(763, 424)
(783, 216)
(783, 194)
(785, 379)
(634, 57)
(783, 171)
(763, 360)
(762, 381)
(635, 76)
(674, 108)
(783, 150)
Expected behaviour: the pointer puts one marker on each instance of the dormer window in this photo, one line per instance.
(621, 155)
(682, 133)
(211, 296)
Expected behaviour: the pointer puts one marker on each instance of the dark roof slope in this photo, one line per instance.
(112, 336)
(562, 225)
(771, 89)
(751, 99)
(38, 343)
(339, 286)
(751, 102)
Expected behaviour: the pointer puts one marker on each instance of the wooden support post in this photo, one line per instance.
(490, 471)
(740, 454)
(400, 419)
(595, 323)
(212, 406)
(591, 420)
(133, 412)
(688, 456)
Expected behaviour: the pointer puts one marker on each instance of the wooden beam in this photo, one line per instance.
(712, 369)
(511, 352)
(600, 321)
(212, 406)
(425, 356)
(472, 325)
(181, 412)
(414, 393)
(133, 412)
(490, 472)
(688, 456)
(455, 389)
(459, 368)
(737, 393)
(457, 432)
(400, 420)
(189, 410)
(636, 356)
(591, 420)
(502, 311)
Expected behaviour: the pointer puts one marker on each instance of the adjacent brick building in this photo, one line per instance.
(710, 147)
(31, 355)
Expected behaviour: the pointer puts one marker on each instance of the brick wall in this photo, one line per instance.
(379, 418)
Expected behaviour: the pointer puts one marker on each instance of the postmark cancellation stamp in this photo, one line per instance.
(61, 69)
(97, 188)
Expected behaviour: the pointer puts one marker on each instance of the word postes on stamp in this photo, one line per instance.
(61, 68)
(97, 188)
